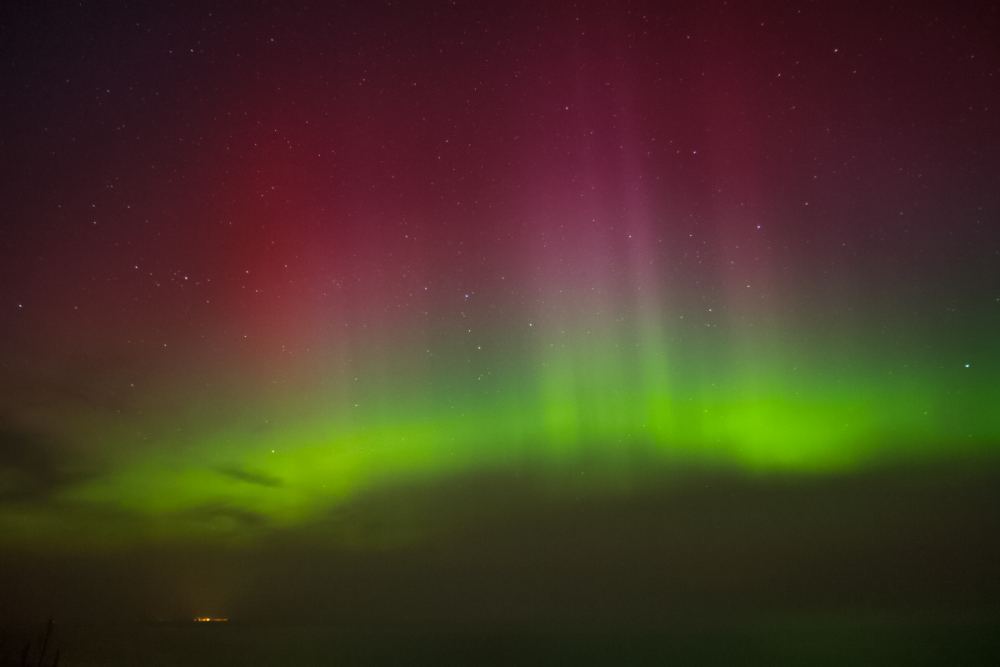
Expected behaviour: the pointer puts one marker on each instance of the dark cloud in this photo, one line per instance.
(250, 477)
(697, 554)
(32, 466)
(221, 515)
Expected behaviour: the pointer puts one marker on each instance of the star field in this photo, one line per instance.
(257, 262)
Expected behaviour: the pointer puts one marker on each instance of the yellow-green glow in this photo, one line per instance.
(589, 401)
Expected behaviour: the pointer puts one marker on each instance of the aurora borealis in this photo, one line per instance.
(259, 264)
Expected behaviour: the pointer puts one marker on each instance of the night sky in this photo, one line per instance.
(338, 296)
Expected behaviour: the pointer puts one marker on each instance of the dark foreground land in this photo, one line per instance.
(898, 566)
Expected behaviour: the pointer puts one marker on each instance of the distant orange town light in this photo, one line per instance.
(206, 619)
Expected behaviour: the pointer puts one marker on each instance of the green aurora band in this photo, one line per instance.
(596, 403)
